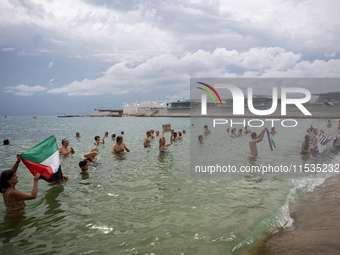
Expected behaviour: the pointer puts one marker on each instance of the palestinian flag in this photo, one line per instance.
(44, 159)
(328, 102)
(272, 145)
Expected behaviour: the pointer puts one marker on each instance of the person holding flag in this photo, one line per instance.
(14, 199)
(44, 159)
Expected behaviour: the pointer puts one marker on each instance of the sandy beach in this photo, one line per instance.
(316, 227)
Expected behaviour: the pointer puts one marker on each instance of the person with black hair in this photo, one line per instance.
(6, 142)
(14, 199)
(65, 149)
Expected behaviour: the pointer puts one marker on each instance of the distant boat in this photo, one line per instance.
(35, 117)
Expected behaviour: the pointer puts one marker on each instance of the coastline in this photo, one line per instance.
(316, 226)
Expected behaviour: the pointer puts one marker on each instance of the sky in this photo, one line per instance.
(70, 57)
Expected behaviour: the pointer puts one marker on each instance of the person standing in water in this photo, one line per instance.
(146, 141)
(163, 146)
(305, 146)
(253, 141)
(119, 147)
(206, 130)
(200, 139)
(14, 199)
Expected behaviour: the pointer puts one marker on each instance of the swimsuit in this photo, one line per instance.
(164, 150)
(305, 148)
(19, 204)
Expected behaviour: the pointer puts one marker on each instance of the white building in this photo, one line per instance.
(132, 108)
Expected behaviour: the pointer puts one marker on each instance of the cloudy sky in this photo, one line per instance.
(70, 57)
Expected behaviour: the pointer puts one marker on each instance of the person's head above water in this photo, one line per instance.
(200, 138)
(6, 142)
(64, 142)
(253, 135)
(83, 165)
(97, 137)
(119, 138)
(148, 133)
(206, 126)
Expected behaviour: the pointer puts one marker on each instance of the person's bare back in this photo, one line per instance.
(253, 141)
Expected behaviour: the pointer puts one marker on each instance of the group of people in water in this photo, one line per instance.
(309, 145)
(252, 142)
(14, 199)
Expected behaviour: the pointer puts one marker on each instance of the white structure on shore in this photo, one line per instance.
(132, 108)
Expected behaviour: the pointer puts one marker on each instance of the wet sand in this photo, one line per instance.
(316, 227)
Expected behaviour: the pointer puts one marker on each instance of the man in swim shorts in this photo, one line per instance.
(119, 147)
(65, 149)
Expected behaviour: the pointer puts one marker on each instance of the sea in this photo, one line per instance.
(145, 202)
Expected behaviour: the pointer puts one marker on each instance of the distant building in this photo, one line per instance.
(132, 108)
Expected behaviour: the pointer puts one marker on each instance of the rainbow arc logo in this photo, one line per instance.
(209, 93)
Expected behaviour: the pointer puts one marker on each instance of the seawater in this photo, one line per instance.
(147, 203)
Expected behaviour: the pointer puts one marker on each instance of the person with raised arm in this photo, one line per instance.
(14, 199)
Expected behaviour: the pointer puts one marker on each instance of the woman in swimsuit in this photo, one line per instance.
(305, 146)
(92, 155)
(163, 146)
(14, 199)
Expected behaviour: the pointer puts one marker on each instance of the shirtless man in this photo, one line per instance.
(119, 146)
(77, 135)
(314, 141)
(180, 135)
(106, 134)
(65, 149)
(97, 138)
(233, 133)
(329, 124)
(146, 141)
(157, 133)
(246, 130)
(206, 130)
(272, 132)
(253, 141)
(152, 133)
(175, 137)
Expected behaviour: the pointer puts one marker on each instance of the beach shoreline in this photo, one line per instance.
(316, 226)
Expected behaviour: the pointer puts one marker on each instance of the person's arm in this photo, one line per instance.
(91, 153)
(113, 149)
(64, 175)
(126, 148)
(103, 139)
(16, 164)
(72, 150)
(260, 137)
(168, 144)
(18, 195)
